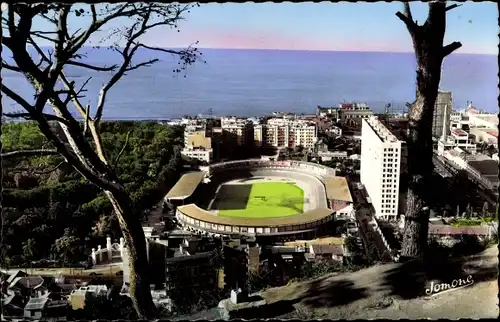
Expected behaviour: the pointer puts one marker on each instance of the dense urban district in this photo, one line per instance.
(232, 206)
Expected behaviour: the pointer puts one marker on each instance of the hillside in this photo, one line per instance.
(394, 291)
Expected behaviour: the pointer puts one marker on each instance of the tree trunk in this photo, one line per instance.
(429, 52)
(131, 227)
(419, 142)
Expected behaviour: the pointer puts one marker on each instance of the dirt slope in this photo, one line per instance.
(395, 291)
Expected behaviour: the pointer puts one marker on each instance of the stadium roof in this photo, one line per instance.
(196, 212)
(186, 185)
(337, 188)
(485, 167)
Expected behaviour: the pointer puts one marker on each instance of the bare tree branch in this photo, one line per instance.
(28, 153)
(122, 150)
(92, 67)
(50, 170)
(453, 6)
(448, 49)
(71, 91)
(10, 67)
(407, 18)
(39, 35)
(86, 119)
(143, 64)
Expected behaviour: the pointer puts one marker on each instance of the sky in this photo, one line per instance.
(322, 26)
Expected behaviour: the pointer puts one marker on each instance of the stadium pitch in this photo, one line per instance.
(259, 200)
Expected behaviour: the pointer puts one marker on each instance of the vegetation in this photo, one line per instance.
(61, 216)
(430, 52)
(81, 144)
(464, 222)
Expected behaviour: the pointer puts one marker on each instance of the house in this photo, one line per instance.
(35, 307)
(79, 296)
(335, 252)
(29, 286)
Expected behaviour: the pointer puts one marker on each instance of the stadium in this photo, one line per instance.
(260, 198)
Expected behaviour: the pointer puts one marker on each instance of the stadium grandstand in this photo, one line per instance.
(259, 198)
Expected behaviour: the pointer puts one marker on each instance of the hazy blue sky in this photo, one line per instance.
(324, 26)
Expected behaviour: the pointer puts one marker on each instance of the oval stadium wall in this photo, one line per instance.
(194, 218)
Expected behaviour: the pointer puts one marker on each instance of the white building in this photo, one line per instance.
(193, 126)
(334, 131)
(241, 129)
(290, 133)
(380, 167)
(198, 147)
(458, 139)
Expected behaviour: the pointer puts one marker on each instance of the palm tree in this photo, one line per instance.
(217, 261)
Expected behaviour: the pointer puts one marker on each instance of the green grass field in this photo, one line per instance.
(260, 200)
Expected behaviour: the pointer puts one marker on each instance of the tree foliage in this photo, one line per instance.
(39, 216)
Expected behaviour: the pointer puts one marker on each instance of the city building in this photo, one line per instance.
(258, 135)
(334, 131)
(458, 120)
(328, 112)
(290, 133)
(35, 307)
(481, 119)
(351, 114)
(193, 268)
(333, 252)
(489, 136)
(198, 147)
(457, 139)
(192, 126)
(79, 296)
(442, 114)
(380, 167)
(239, 130)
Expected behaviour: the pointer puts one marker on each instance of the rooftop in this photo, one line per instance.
(196, 212)
(381, 130)
(186, 185)
(27, 281)
(485, 167)
(317, 241)
(492, 133)
(328, 249)
(91, 288)
(188, 257)
(459, 132)
(337, 188)
(37, 303)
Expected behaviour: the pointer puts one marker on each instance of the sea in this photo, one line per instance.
(259, 82)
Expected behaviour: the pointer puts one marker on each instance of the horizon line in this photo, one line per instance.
(332, 50)
(310, 50)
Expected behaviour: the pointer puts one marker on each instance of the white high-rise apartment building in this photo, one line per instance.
(285, 132)
(240, 128)
(380, 167)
